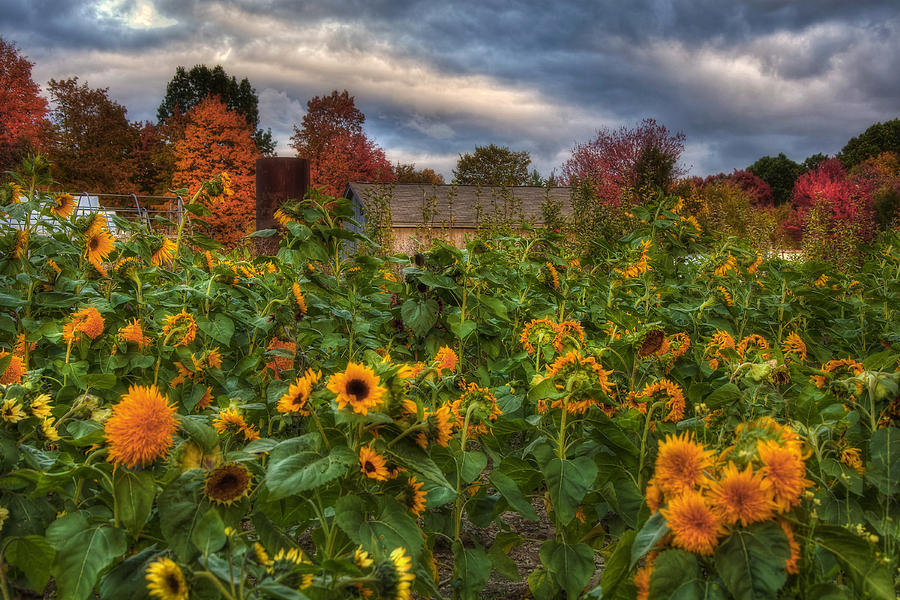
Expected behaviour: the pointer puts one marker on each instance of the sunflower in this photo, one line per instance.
(361, 559)
(49, 429)
(651, 343)
(11, 411)
(214, 358)
(128, 266)
(681, 463)
(372, 464)
(40, 406)
(674, 398)
(164, 253)
(357, 386)
(440, 425)
(642, 578)
(850, 457)
(98, 244)
(414, 497)
(640, 266)
(791, 566)
(741, 496)
(182, 326)
(141, 427)
(394, 577)
(298, 298)
(281, 363)
(794, 345)
(21, 244)
(695, 525)
(478, 406)
(730, 264)
(134, 333)
(227, 484)
(753, 341)
(231, 421)
(87, 321)
(63, 205)
(205, 400)
(14, 371)
(587, 379)
(446, 359)
(540, 332)
(289, 558)
(726, 295)
(785, 470)
(296, 399)
(653, 495)
(553, 275)
(166, 581)
(679, 344)
(716, 347)
(755, 264)
(566, 333)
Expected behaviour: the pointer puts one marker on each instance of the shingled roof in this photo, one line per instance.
(462, 206)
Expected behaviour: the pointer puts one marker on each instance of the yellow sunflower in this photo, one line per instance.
(357, 386)
(11, 411)
(141, 427)
(98, 244)
(414, 497)
(87, 321)
(481, 407)
(63, 205)
(231, 421)
(694, 524)
(182, 326)
(298, 298)
(394, 577)
(372, 464)
(741, 496)
(164, 253)
(40, 406)
(227, 484)
(296, 399)
(21, 244)
(166, 581)
(681, 464)
(784, 468)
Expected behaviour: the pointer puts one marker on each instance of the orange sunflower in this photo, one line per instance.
(87, 321)
(794, 345)
(98, 245)
(14, 371)
(372, 464)
(230, 420)
(296, 399)
(164, 253)
(357, 386)
(141, 427)
(446, 359)
(481, 407)
(681, 464)
(673, 394)
(694, 524)
(298, 298)
(741, 496)
(134, 333)
(63, 205)
(784, 468)
(181, 326)
(414, 497)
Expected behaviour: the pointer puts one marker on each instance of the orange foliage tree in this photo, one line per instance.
(218, 140)
(21, 107)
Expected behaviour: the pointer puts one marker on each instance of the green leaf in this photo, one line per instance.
(306, 470)
(126, 580)
(869, 576)
(471, 570)
(511, 492)
(134, 498)
(82, 552)
(197, 428)
(617, 566)
(884, 466)
(675, 574)
(652, 531)
(276, 590)
(570, 566)
(209, 533)
(33, 555)
(568, 481)
(393, 528)
(220, 328)
(751, 561)
(262, 233)
(723, 395)
(471, 464)
(542, 586)
(499, 554)
(419, 316)
(181, 506)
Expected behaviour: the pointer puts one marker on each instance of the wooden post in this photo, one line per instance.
(278, 179)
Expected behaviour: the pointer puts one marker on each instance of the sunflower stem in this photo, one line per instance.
(640, 473)
(216, 582)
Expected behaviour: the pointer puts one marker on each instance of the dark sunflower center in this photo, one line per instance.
(94, 243)
(370, 468)
(358, 388)
(228, 483)
(173, 583)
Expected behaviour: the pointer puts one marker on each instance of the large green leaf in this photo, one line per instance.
(419, 316)
(126, 580)
(471, 464)
(512, 494)
(220, 328)
(82, 552)
(652, 531)
(618, 565)
(181, 506)
(304, 471)
(471, 570)
(393, 528)
(134, 498)
(571, 566)
(568, 481)
(751, 561)
(869, 576)
(33, 555)
(209, 533)
(884, 467)
(675, 574)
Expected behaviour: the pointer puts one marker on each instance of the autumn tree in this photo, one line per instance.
(878, 138)
(331, 137)
(407, 173)
(22, 109)
(828, 188)
(779, 172)
(188, 88)
(151, 160)
(218, 140)
(627, 162)
(88, 138)
(493, 165)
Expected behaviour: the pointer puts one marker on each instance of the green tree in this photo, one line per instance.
(779, 172)
(493, 165)
(189, 88)
(407, 173)
(812, 162)
(880, 137)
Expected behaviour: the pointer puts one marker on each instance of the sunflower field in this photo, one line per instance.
(664, 416)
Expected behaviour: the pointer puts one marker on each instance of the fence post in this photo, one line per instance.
(278, 179)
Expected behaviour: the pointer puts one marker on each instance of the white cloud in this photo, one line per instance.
(136, 14)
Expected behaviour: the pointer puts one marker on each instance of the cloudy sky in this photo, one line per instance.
(741, 79)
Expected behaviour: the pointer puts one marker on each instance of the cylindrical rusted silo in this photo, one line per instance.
(277, 179)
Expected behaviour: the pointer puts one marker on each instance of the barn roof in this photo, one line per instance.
(464, 206)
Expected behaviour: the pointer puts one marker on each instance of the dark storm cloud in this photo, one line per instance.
(740, 79)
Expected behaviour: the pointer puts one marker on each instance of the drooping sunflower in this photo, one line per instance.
(414, 497)
(49, 429)
(298, 298)
(98, 244)
(87, 321)
(750, 342)
(480, 405)
(692, 520)
(357, 386)
(446, 359)
(18, 252)
(40, 406)
(741, 496)
(62, 206)
(361, 558)
(651, 343)
(231, 421)
(440, 426)
(729, 264)
(11, 411)
(681, 464)
(227, 484)
(716, 347)
(14, 371)
(133, 332)
(281, 363)
(372, 464)
(538, 332)
(587, 379)
(784, 468)
(794, 346)
(166, 581)
(569, 336)
(141, 427)
(214, 358)
(674, 398)
(679, 344)
(181, 327)
(394, 577)
(164, 253)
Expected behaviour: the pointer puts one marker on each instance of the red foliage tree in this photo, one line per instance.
(218, 140)
(21, 107)
(332, 138)
(627, 161)
(827, 185)
(759, 191)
